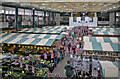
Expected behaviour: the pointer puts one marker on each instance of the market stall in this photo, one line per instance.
(106, 32)
(109, 69)
(24, 35)
(101, 39)
(51, 30)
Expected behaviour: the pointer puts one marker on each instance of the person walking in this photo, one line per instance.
(69, 70)
(55, 52)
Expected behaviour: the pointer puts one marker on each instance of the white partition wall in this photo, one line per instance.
(91, 22)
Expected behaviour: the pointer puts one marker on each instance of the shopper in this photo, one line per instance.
(55, 52)
(69, 45)
(69, 69)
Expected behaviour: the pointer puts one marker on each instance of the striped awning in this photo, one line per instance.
(100, 46)
(101, 39)
(24, 35)
(105, 31)
(50, 30)
(27, 41)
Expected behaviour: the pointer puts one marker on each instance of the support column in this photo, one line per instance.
(16, 18)
(53, 18)
(49, 18)
(4, 13)
(112, 19)
(33, 18)
(44, 17)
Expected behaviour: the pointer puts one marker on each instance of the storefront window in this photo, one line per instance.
(41, 17)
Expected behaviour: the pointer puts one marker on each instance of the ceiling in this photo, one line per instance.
(74, 5)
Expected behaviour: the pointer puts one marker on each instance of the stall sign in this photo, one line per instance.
(44, 48)
(31, 47)
(28, 46)
(38, 48)
(47, 47)
(26, 67)
(8, 44)
(52, 56)
(33, 71)
(19, 45)
(34, 46)
(2, 44)
(45, 56)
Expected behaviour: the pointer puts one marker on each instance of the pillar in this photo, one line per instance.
(16, 18)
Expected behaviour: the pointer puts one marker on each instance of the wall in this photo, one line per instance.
(83, 23)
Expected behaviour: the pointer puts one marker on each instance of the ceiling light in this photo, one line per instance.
(64, 6)
(110, 8)
(105, 5)
(114, 7)
(43, 4)
(93, 4)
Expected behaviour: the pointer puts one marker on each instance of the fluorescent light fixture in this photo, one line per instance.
(43, 4)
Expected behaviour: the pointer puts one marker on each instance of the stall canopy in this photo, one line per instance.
(101, 39)
(105, 31)
(110, 70)
(100, 46)
(24, 35)
(27, 41)
(47, 30)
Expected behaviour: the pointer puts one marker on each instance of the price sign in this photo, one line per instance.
(21, 65)
(45, 56)
(38, 57)
(28, 58)
(26, 67)
(33, 71)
